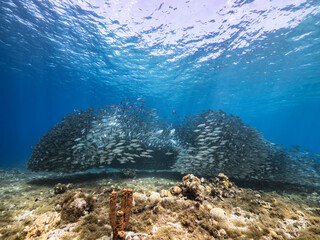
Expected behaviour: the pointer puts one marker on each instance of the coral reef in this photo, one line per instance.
(215, 209)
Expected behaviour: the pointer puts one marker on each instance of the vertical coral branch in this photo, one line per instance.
(119, 227)
(123, 199)
(128, 205)
(112, 212)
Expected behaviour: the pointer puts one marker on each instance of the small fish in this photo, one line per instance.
(173, 141)
(172, 132)
(159, 132)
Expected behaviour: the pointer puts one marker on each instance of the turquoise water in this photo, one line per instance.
(259, 60)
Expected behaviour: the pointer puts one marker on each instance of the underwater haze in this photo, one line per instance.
(259, 60)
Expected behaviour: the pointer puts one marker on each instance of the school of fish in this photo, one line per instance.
(132, 135)
(214, 142)
(128, 134)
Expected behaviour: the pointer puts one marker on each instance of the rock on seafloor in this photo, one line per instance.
(42, 225)
(218, 214)
(135, 236)
(154, 198)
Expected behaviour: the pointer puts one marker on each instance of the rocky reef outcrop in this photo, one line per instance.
(74, 205)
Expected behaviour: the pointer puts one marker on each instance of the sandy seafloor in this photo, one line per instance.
(165, 207)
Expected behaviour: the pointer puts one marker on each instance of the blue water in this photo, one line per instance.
(258, 59)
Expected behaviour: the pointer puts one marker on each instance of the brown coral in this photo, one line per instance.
(119, 221)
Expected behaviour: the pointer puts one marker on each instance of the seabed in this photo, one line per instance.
(166, 205)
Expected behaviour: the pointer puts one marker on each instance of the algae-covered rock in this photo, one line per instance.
(74, 205)
(175, 190)
(139, 198)
(218, 214)
(221, 187)
(223, 177)
(64, 232)
(154, 198)
(42, 225)
(165, 193)
(190, 187)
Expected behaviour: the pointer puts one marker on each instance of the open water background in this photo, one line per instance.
(258, 59)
